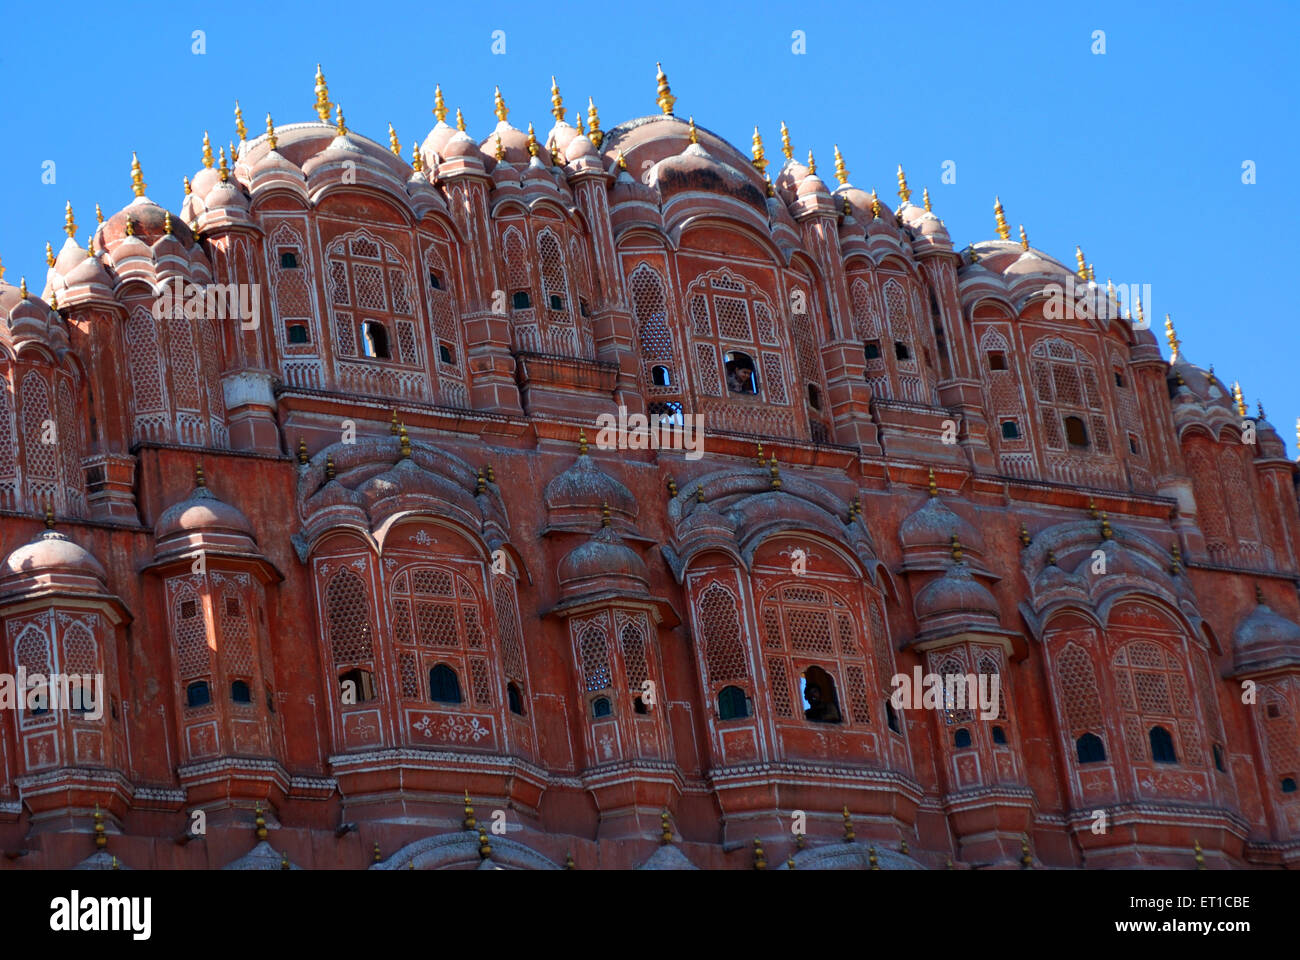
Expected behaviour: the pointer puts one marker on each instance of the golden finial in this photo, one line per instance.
(756, 151)
(760, 858)
(1238, 399)
(130, 226)
(799, 841)
(532, 141)
(1092, 509)
(394, 144)
(377, 855)
(240, 130)
(208, 159)
(904, 191)
(90, 246)
(925, 198)
(582, 443)
(340, 126)
(789, 863)
(1082, 272)
(460, 120)
(69, 224)
(1200, 857)
(186, 182)
(221, 165)
(768, 188)
(271, 140)
(762, 458)
(392, 423)
(1106, 532)
(621, 160)
(666, 831)
(49, 254)
(1259, 408)
(302, 450)
(404, 442)
(1004, 231)
(99, 215)
(776, 474)
(137, 176)
(329, 466)
(577, 122)
(167, 222)
(1092, 274)
(322, 105)
(875, 204)
(2, 270)
(199, 479)
(568, 861)
(872, 859)
(665, 99)
(904, 849)
(594, 133)
(672, 483)
(785, 142)
(491, 474)
(841, 171)
(499, 106)
(974, 257)
(439, 105)
(484, 848)
(1259, 594)
(956, 549)
(1172, 337)
(101, 838)
(604, 513)
(259, 822)
(1051, 558)
(557, 104)
(480, 482)
(1025, 539)
(54, 299)
(284, 859)
(699, 493)
(22, 288)
(500, 150)
(1024, 238)
(934, 486)
(812, 165)
(49, 515)
(469, 823)
(1176, 559)
(849, 835)
(1026, 861)
(417, 160)
(691, 135)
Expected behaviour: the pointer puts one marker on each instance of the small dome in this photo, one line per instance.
(603, 563)
(956, 592)
(461, 146)
(201, 512)
(579, 147)
(698, 170)
(437, 139)
(148, 226)
(934, 525)
(52, 559)
(812, 185)
(584, 489)
(1264, 638)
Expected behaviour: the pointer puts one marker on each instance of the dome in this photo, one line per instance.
(148, 226)
(437, 139)
(1265, 638)
(812, 185)
(53, 560)
(514, 142)
(461, 146)
(956, 592)
(602, 564)
(934, 525)
(696, 169)
(201, 512)
(583, 489)
(579, 147)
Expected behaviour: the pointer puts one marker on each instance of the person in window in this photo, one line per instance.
(740, 377)
(819, 710)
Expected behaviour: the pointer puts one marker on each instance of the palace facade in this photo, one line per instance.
(307, 471)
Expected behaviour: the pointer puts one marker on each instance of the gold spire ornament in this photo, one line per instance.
(322, 104)
(577, 122)
(340, 125)
(593, 125)
(841, 171)
(1026, 861)
(167, 223)
(484, 848)
(760, 858)
(137, 176)
(469, 823)
(499, 106)
(1172, 337)
(849, 835)
(221, 165)
(785, 142)
(1238, 400)
(234, 152)
(1082, 272)
(956, 549)
(665, 99)
(812, 165)
(99, 215)
(1200, 857)
(665, 829)
(904, 191)
(271, 140)
(557, 102)
(101, 832)
(417, 161)
(925, 198)
(872, 859)
(69, 224)
(259, 822)
(22, 288)
(240, 129)
(775, 472)
(532, 141)
(1137, 309)
(329, 466)
(208, 158)
(302, 450)
(933, 484)
(875, 204)
(621, 161)
(54, 299)
(394, 144)
(692, 135)
(439, 105)
(49, 254)
(500, 150)
(460, 120)
(404, 442)
(1004, 231)
(1025, 539)
(756, 151)
(1024, 238)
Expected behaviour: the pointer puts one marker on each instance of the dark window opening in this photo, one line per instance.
(1162, 745)
(444, 687)
(661, 376)
(901, 350)
(733, 703)
(197, 694)
(934, 304)
(583, 308)
(891, 718)
(600, 707)
(557, 302)
(435, 281)
(740, 373)
(818, 690)
(240, 693)
(374, 339)
(515, 699)
(1090, 749)
(665, 410)
(961, 738)
(1218, 759)
(446, 353)
(1119, 379)
(289, 260)
(189, 609)
(357, 686)
(1132, 444)
(232, 606)
(999, 736)
(270, 700)
(1010, 430)
(520, 300)
(1273, 711)
(298, 333)
(997, 360)
(872, 349)
(814, 397)
(81, 697)
(1288, 784)
(638, 705)
(1076, 434)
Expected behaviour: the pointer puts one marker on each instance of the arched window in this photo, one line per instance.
(197, 694)
(814, 397)
(444, 687)
(514, 698)
(1218, 759)
(818, 691)
(891, 718)
(661, 376)
(374, 339)
(1090, 749)
(437, 618)
(600, 707)
(1066, 388)
(357, 686)
(1288, 784)
(1162, 745)
(298, 333)
(733, 704)
(239, 692)
(1076, 432)
(741, 377)
(961, 738)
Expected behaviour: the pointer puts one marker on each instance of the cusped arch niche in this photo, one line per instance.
(463, 851)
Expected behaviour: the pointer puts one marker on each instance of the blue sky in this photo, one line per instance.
(1135, 154)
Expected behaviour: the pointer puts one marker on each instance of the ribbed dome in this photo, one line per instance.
(148, 226)
(585, 488)
(1265, 637)
(52, 559)
(933, 526)
(201, 512)
(603, 563)
(956, 592)
(698, 170)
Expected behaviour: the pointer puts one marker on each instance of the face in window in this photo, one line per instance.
(740, 374)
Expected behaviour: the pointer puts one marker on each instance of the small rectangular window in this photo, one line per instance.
(1010, 430)
(232, 606)
(557, 302)
(520, 300)
(583, 308)
(446, 353)
(298, 333)
(289, 260)
(997, 360)
(901, 351)
(1119, 379)
(189, 609)
(872, 349)
(435, 281)
(1132, 444)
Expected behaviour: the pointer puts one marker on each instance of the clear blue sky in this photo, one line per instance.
(1135, 154)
